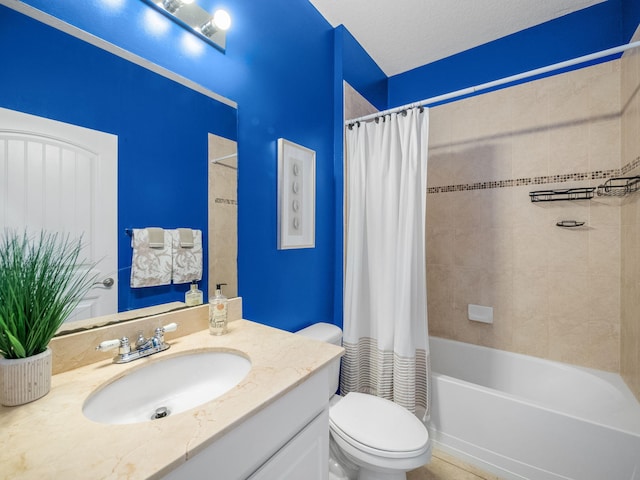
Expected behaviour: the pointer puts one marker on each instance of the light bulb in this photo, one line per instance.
(222, 20)
(208, 29)
(172, 6)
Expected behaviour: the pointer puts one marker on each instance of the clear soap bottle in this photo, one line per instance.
(194, 295)
(218, 312)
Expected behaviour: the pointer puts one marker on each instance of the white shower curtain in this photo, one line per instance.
(385, 304)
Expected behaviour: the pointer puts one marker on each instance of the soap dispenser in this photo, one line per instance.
(218, 312)
(194, 295)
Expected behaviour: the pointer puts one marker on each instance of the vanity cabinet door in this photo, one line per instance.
(305, 456)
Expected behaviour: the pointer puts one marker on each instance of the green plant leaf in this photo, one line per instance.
(14, 343)
(42, 280)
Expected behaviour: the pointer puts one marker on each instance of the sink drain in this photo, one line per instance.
(160, 412)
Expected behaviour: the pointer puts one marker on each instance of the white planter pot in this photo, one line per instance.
(24, 380)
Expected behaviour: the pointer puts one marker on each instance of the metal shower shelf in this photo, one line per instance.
(569, 224)
(619, 186)
(567, 194)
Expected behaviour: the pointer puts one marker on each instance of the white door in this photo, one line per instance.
(63, 178)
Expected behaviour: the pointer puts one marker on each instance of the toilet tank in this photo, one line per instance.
(326, 332)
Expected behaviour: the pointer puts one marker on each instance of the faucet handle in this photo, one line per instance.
(108, 345)
(171, 327)
(159, 333)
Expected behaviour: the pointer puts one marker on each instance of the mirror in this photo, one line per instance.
(223, 236)
(162, 124)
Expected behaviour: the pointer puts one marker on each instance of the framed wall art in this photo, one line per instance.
(296, 196)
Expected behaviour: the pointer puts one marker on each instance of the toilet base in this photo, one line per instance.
(375, 468)
(340, 467)
(365, 474)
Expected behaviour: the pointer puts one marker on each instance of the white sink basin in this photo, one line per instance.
(176, 384)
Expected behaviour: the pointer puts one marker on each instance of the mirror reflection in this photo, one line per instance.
(161, 132)
(223, 214)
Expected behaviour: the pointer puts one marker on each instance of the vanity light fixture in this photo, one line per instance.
(189, 15)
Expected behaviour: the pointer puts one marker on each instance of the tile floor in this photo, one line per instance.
(446, 467)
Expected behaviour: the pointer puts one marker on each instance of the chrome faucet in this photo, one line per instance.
(143, 346)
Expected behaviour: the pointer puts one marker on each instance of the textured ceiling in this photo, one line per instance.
(404, 34)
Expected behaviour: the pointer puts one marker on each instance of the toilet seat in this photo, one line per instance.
(378, 427)
(387, 454)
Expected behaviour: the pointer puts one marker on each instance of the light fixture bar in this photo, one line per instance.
(193, 18)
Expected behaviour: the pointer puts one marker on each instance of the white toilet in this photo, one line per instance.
(383, 439)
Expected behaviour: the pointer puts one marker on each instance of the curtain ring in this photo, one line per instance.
(350, 126)
(377, 119)
(404, 113)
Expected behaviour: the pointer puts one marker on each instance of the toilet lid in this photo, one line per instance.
(378, 423)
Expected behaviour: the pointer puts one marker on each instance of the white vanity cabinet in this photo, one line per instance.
(288, 439)
(272, 425)
(305, 456)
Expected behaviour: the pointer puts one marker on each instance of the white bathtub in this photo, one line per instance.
(524, 417)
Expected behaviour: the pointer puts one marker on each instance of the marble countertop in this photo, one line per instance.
(51, 438)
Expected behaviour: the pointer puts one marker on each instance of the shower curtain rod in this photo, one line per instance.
(495, 83)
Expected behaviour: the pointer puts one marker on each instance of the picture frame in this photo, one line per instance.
(296, 196)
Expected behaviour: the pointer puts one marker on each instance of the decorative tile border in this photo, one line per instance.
(517, 182)
(226, 201)
(630, 166)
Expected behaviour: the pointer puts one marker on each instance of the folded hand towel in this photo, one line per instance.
(151, 266)
(156, 237)
(186, 237)
(187, 261)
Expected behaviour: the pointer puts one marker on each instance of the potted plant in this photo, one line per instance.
(42, 280)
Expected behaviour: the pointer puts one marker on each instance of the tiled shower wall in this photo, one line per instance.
(223, 215)
(555, 291)
(630, 266)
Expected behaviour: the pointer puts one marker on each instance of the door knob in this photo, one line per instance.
(107, 282)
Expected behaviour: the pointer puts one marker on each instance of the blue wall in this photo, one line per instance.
(278, 66)
(353, 65)
(288, 49)
(630, 18)
(360, 70)
(162, 129)
(580, 33)
(284, 65)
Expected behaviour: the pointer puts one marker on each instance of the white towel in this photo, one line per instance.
(150, 266)
(187, 260)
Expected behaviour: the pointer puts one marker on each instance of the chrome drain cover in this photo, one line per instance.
(160, 412)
